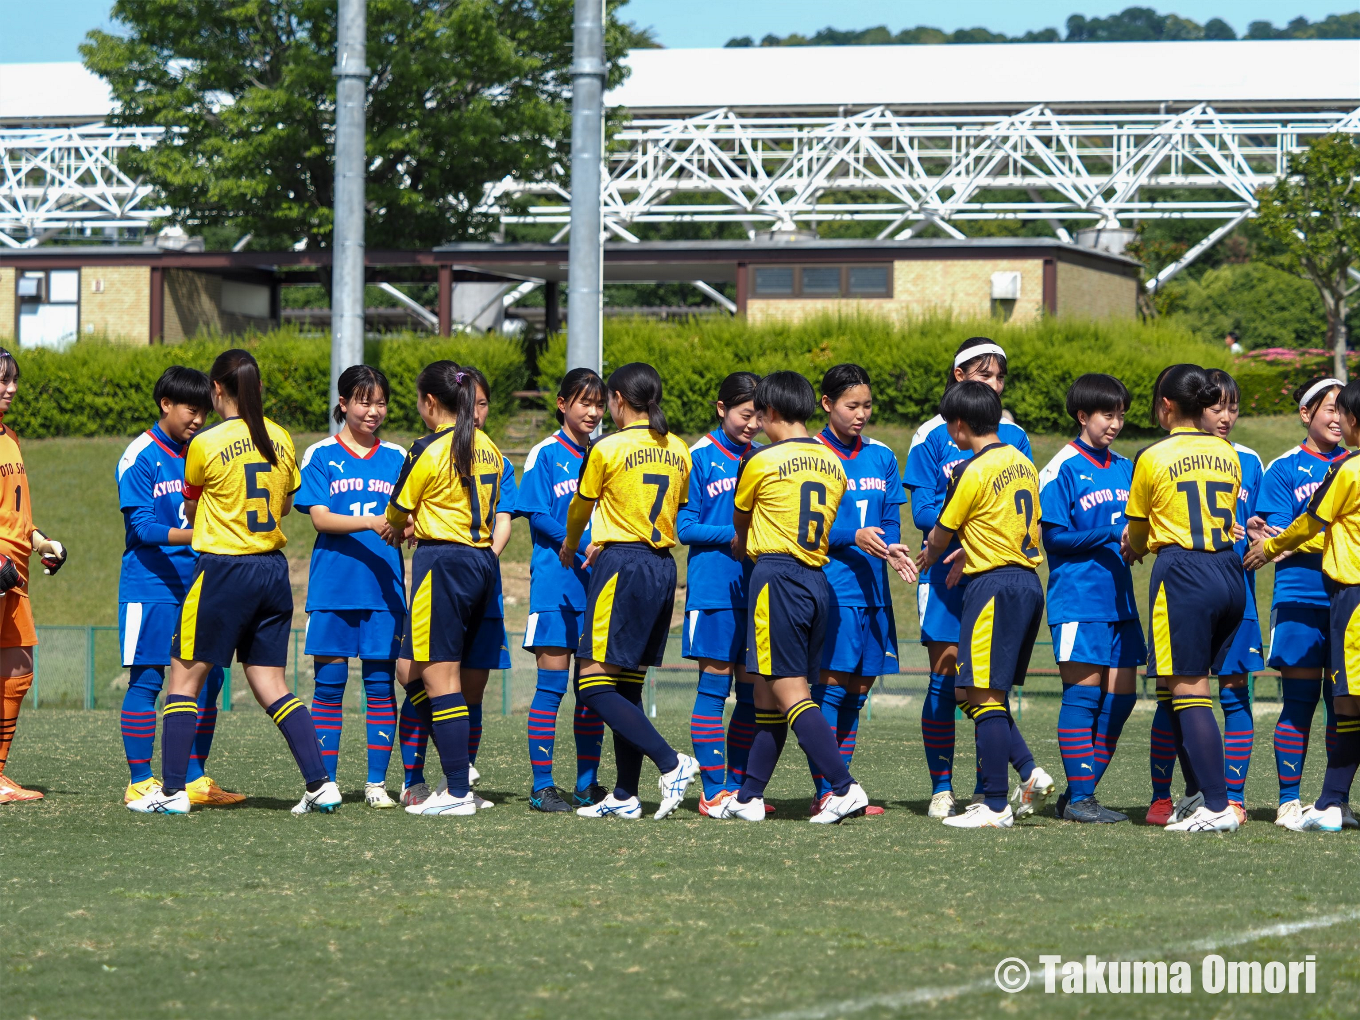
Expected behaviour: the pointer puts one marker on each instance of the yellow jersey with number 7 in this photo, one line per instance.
(638, 479)
(240, 494)
(1186, 486)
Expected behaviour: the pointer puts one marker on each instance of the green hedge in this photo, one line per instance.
(97, 388)
(1268, 383)
(907, 362)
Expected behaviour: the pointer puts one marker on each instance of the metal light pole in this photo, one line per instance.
(347, 287)
(585, 269)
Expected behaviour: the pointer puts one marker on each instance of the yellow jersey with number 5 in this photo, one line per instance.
(638, 479)
(993, 504)
(792, 490)
(240, 494)
(1186, 486)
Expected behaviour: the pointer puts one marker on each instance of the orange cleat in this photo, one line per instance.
(12, 793)
(1160, 811)
(204, 790)
(707, 807)
(1239, 811)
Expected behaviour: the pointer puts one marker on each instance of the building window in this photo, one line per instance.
(858, 281)
(49, 308)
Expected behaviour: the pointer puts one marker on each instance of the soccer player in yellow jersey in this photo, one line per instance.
(786, 501)
(1334, 508)
(992, 506)
(239, 480)
(631, 488)
(1182, 506)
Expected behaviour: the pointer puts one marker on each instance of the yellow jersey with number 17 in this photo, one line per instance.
(792, 490)
(240, 494)
(445, 506)
(638, 479)
(993, 504)
(1186, 486)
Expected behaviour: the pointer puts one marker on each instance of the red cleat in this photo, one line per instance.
(873, 809)
(1160, 811)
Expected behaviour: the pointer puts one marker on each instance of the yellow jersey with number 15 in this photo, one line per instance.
(792, 490)
(240, 494)
(638, 479)
(993, 504)
(1185, 486)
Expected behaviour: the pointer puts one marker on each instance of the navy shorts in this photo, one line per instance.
(240, 605)
(1116, 644)
(1345, 671)
(1243, 653)
(718, 634)
(145, 630)
(790, 603)
(1198, 598)
(1002, 611)
(1300, 636)
(860, 641)
(560, 628)
(628, 606)
(455, 596)
(372, 635)
(940, 610)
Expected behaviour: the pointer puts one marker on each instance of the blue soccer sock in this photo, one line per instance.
(767, 744)
(1203, 745)
(1162, 755)
(1238, 730)
(818, 741)
(207, 723)
(588, 729)
(624, 715)
(1115, 710)
(413, 729)
(328, 714)
(380, 716)
(474, 731)
(993, 732)
(741, 730)
(819, 694)
(295, 723)
(1342, 760)
(179, 721)
(937, 731)
(1077, 720)
(549, 691)
(1020, 757)
(841, 710)
(449, 730)
(138, 719)
(706, 730)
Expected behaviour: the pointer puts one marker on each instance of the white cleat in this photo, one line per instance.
(444, 804)
(375, 796)
(474, 777)
(611, 807)
(325, 800)
(674, 783)
(941, 805)
(1187, 806)
(837, 807)
(1204, 820)
(752, 811)
(1030, 795)
(980, 816)
(482, 803)
(157, 803)
(1316, 819)
(1289, 815)
(1348, 820)
(416, 793)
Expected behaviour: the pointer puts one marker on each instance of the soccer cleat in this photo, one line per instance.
(980, 816)
(12, 793)
(1060, 805)
(157, 803)
(136, 791)
(1091, 812)
(482, 803)
(204, 790)
(416, 793)
(324, 800)
(1187, 806)
(548, 800)
(611, 807)
(1348, 820)
(1240, 811)
(714, 808)
(1204, 820)
(376, 796)
(1321, 819)
(445, 803)
(941, 805)
(872, 810)
(1160, 812)
(837, 807)
(674, 783)
(592, 794)
(474, 777)
(1029, 796)
(751, 811)
(1288, 815)
(815, 808)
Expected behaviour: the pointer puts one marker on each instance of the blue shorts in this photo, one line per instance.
(1300, 636)
(1116, 644)
(560, 628)
(714, 634)
(940, 610)
(1345, 671)
(789, 605)
(145, 630)
(1002, 611)
(237, 604)
(1243, 651)
(372, 635)
(455, 605)
(1197, 599)
(628, 606)
(860, 641)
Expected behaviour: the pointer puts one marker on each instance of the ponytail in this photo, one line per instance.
(238, 374)
(456, 391)
(639, 386)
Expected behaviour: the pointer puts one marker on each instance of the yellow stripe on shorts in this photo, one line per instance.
(188, 620)
(1161, 634)
(980, 645)
(1353, 653)
(420, 618)
(599, 623)
(762, 626)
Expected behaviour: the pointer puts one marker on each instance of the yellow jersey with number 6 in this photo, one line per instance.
(1186, 486)
(993, 504)
(240, 494)
(792, 490)
(638, 479)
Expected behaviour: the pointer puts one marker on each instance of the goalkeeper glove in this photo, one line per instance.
(50, 551)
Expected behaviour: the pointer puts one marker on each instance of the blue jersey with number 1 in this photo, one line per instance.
(1289, 483)
(873, 499)
(151, 496)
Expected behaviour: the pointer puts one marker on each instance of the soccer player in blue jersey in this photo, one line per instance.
(714, 631)
(1092, 611)
(557, 594)
(861, 634)
(356, 585)
(930, 460)
(1300, 641)
(158, 567)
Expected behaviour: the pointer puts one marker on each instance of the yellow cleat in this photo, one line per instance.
(136, 791)
(204, 790)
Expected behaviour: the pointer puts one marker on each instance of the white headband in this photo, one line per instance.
(979, 351)
(1316, 388)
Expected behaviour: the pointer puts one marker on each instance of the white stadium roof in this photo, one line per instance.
(43, 94)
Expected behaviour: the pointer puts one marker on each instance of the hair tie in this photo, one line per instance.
(460, 377)
(1316, 388)
(968, 354)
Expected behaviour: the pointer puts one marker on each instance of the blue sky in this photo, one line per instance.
(46, 30)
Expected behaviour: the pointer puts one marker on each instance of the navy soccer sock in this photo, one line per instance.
(588, 731)
(1162, 755)
(818, 742)
(1298, 703)
(295, 723)
(741, 730)
(841, 709)
(207, 723)
(1330, 706)
(1115, 710)
(380, 716)
(328, 715)
(138, 719)
(179, 721)
(706, 730)
(1203, 745)
(625, 717)
(548, 694)
(820, 694)
(1020, 757)
(413, 729)
(1077, 719)
(449, 730)
(993, 730)
(1192, 785)
(474, 731)
(1238, 730)
(627, 756)
(1342, 760)
(771, 731)
(937, 731)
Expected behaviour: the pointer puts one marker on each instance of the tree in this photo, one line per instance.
(1312, 216)
(462, 92)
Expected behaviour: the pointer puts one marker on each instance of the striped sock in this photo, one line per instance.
(767, 744)
(295, 723)
(621, 708)
(706, 730)
(1162, 755)
(818, 741)
(449, 730)
(380, 716)
(179, 721)
(1342, 760)
(1115, 710)
(474, 731)
(993, 732)
(549, 691)
(328, 714)
(741, 730)
(1077, 719)
(138, 719)
(821, 695)
(207, 723)
(1238, 730)
(588, 729)
(413, 730)
(1203, 745)
(937, 731)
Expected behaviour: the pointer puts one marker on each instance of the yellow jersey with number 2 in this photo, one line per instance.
(1336, 503)
(638, 479)
(1185, 486)
(792, 491)
(992, 503)
(240, 494)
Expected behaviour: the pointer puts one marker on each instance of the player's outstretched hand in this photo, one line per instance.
(566, 556)
(1255, 557)
(955, 561)
(870, 540)
(1125, 548)
(1257, 528)
(9, 574)
(900, 559)
(592, 554)
(50, 551)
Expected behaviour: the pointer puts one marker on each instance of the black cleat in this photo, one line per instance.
(1060, 805)
(1109, 816)
(1090, 811)
(592, 794)
(548, 800)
